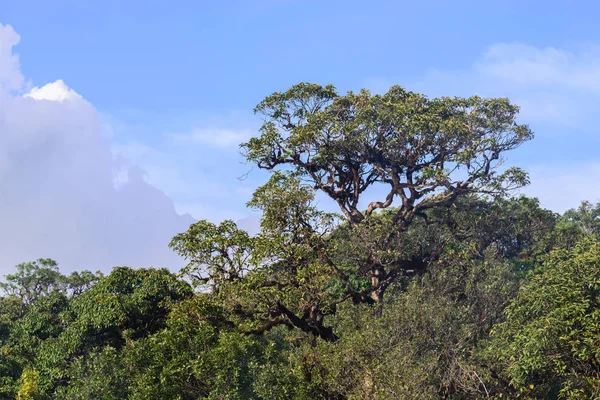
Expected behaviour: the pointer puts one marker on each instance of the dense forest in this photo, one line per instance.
(432, 280)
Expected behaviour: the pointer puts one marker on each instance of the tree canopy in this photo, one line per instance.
(426, 153)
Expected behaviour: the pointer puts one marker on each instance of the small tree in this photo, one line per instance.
(34, 279)
(41, 277)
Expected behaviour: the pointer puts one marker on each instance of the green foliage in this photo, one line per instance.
(423, 345)
(128, 303)
(29, 386)
(99, 375)
(144, 333)
(575, 224)
(428, 153)
(74, 333)
(551, 338)
(216, 253)
(586, 218)
(33, 279)
(39, 278)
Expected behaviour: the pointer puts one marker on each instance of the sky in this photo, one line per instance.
(120, 120)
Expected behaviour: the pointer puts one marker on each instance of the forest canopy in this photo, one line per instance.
(431, 279)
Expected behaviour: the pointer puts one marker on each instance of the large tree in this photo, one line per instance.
(417, 154)
(424, 152)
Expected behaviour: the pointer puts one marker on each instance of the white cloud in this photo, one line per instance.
(57, 193)
(11, 78)
(562, 188)
(216, 137)
(250, 224)
(546, 67)
(551, 85)
(55, 91)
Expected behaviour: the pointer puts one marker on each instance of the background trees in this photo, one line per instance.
(550, 341)
(508, 307)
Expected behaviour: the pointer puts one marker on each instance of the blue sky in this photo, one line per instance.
(173, 83)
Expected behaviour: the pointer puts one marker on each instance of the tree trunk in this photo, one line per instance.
(377, 275)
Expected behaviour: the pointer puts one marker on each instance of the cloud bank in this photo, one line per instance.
(57, 193)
